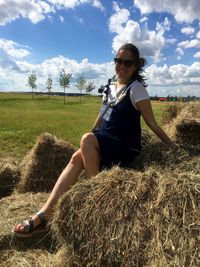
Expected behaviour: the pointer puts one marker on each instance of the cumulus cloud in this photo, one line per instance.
(34, 10)
(188, 30)
(75, 3)
(10, 52)
(144, 19)
(37, 10)
(17, 79)
(190, 44)
(173, 75)
(150, 42)
(118, 19)
(160, 78)
(197, 55)
(183, 11)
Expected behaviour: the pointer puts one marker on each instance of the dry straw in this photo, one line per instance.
(44, 163)
(27, 258)
(185, 127)
(126, 218)
(9, 176)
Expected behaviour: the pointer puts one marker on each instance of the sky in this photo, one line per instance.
(83, 36)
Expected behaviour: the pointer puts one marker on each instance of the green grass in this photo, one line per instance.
(22, 119)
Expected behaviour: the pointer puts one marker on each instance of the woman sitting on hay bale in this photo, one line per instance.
(116, 138)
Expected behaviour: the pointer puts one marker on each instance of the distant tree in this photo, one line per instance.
(81, 84)
(32, 81)
(49, 85)
(64, 80)
(90, 87)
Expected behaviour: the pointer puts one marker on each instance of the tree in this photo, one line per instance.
(49, 85)
(80, 84)
(90, 87)
(32, 81)
(64, 80)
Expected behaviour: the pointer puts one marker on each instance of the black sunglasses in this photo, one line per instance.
(127, 62)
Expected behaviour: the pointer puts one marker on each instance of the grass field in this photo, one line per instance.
(23, 119)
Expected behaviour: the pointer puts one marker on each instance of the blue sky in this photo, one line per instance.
(82, 36)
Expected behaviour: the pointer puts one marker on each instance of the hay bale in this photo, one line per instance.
(42, 166)
(188, 132)
(9, 176)
(33, 257)
(14, 209)
(170, 112)
(184, 129)
(159, 155)
(92, 217)
(127, 218)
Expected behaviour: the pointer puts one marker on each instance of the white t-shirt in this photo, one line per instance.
(137, 92)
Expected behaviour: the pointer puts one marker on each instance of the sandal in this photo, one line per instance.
(29, 229)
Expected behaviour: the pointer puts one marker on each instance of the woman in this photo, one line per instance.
(115, 138)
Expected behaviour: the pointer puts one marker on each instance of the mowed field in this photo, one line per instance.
(23, 119)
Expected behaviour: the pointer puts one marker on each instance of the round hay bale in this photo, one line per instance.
(186, 123)
(103, 218)
(42, 166)
(9, 176)
(17, 207)
(170, 112)
(188, 132)
(160, 155)
(14, 209)
(126, 218)
(174, 216)
(33, 257)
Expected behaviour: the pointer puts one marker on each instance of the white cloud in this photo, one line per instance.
(198, 35)
(13, 49)
(177, 79)
(37, 10)
(144, 19)
(197, 55)
(180, 51)
(149, 42)
(117, 20)
(10, 52)
(161, 79)
(188, 30)
(14, 72)
(74, 3)
(190, 43)
(183, 10)
(33, 10)
(61, 18)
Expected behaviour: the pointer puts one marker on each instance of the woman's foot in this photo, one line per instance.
(31, 226)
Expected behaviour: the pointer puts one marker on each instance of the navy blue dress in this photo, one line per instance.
(119, 136)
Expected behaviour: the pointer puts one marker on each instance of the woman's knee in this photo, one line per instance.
(89, 140)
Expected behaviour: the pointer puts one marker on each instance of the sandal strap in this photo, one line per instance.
(28, 225)
(41, 216)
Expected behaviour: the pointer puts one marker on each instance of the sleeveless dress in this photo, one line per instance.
(119, 135)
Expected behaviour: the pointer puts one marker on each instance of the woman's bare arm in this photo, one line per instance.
(144, 106)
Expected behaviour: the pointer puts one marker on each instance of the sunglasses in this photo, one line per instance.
(126, 62)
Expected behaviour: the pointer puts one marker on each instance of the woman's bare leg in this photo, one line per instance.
(65, 181)
(86, 157)
(90, 154)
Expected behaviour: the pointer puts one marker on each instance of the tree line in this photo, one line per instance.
(64, 82)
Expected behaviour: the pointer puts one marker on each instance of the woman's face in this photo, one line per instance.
(125, 67)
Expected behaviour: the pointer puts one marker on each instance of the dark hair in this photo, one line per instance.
(140, 61)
